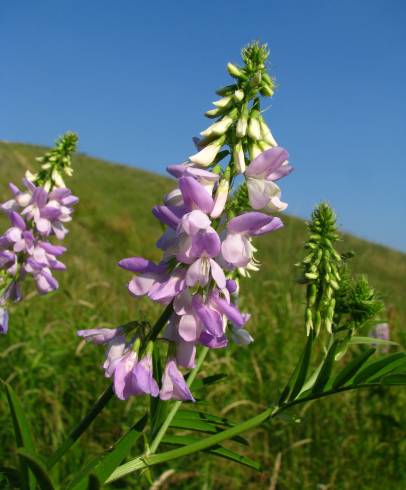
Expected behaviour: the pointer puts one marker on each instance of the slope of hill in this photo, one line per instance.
(337, 443)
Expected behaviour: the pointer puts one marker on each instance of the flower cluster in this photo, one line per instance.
(207, 240)
(36, 213)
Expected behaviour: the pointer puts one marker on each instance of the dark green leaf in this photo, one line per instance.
(22, 434)
(93, 483)
(104, 465)
(203, 424)
(304, 367)
(43, 479)
(215, 450)
(326, 368)
(352, 368)
(380, 367)
(394, 379)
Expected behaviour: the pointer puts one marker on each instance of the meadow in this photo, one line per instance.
(346, 442)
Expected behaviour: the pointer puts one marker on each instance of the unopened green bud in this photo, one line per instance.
(227, 90)
(309, 321)
(311, 275)
(266, 133)
(218, 128)
(266, 90)
(254, 150)
(311, 294)
(213, 113)
(136, 345)
(236, 71)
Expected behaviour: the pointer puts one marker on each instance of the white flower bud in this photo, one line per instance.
(206, 156)
(30, 176)
(57, 178)
(212, 113)
(68, 171)
(223, 102)
(218, 128)
(174, 198)
(239, 95)
(220, 198)
(254, 129)
(241, 129)
(266, 133)
(239, 158)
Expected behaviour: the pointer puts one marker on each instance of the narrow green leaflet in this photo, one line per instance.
(22, 435)
(371, 341)
(298, 376)
(215, 450)
(380, 367)
(209, 380)
(103, 466)
(326, 368)
(394, 379)
(202, 424)
(352, 368)
(43, 479)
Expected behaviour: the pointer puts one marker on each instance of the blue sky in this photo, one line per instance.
(133, 78)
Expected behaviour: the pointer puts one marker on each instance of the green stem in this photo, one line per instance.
(153, 459)
(142, 462)
(164, 427)
(103, 400)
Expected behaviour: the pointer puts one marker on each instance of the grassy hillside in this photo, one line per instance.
(351, 441)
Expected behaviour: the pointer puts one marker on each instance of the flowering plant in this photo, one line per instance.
(225, 197)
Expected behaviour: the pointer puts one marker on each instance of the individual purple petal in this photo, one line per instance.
(195, 195)
(139, 264)
(231, 285)
(141, 285)
(165, 291)
(212, 341)
(189, 328)
(99, 335)
(206, 243)
(198, 273)
(122, 381)
(168, 215)
(194, 221)
(52, 249)
(249, 223)
(174, 386)
(210, 318)
(185, 354)
(273, 225)
(217, 274)
(17, 220)
(231, 311)
(141, 378)
(268, 164)
(236, 250)
(114, 353)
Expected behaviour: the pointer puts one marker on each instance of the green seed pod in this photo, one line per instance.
(236, 71)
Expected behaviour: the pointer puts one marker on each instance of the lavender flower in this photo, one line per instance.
(207, 242)
(36, 213)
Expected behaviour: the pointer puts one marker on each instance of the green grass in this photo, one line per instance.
(350, 441)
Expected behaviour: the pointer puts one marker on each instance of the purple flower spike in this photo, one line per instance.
(174, 386)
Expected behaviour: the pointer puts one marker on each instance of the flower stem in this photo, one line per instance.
(164, 427)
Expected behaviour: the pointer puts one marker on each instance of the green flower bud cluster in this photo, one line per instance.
(321, 270)
(239, 123)
(356, 302)
(56, 163)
